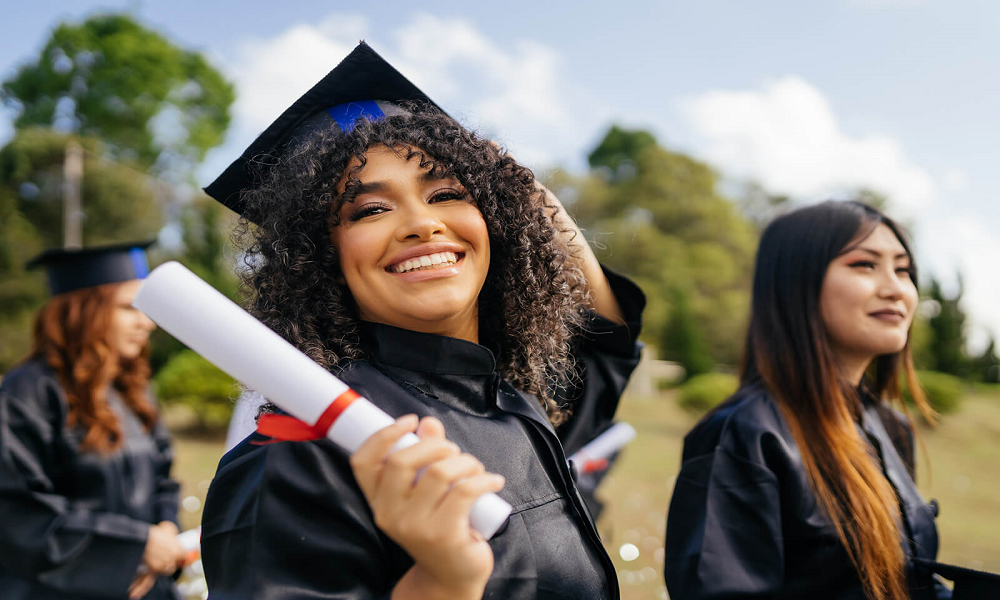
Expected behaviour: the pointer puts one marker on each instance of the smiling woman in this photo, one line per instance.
(87, 506)
(801, 484)
(431, 272)
(414, 248)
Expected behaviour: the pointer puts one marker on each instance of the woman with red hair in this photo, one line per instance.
(87, 507)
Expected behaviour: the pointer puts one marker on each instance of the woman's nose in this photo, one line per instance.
(421, 223)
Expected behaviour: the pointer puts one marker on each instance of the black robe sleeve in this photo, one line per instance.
(294, 525)
(44, 535)
(724, 539)
(166, 496)
(606, 355)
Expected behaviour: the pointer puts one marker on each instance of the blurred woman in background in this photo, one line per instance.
(801, 484)
(87, 506)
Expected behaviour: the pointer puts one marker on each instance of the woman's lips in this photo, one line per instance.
(891, 316)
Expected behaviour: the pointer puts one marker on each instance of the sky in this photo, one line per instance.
(807, 98)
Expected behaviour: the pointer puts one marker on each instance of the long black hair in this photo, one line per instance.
(789, 350)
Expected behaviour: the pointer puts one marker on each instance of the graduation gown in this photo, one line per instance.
(287, 520)
(744, 522)
(73, 524)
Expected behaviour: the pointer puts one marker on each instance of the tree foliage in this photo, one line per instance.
(119, 204)
(665, 224)
(142, 109)
(948, 352)
(114, 79)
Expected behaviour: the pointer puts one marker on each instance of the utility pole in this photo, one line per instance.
(72, 205)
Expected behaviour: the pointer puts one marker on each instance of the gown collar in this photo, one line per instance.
(426, 352)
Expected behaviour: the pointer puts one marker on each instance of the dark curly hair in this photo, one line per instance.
(530, 304)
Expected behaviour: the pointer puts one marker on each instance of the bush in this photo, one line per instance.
(703, 392)
(944, 392)
(190, 380)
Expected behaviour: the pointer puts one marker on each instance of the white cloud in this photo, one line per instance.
(786, 136)
(964, 243)
(955, 180)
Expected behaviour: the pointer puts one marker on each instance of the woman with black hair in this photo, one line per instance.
(430, 272)
(801, 484)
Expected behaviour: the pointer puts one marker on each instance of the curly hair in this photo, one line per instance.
(71, 333)
(529, 306)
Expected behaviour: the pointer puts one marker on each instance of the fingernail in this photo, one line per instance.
(408, 420)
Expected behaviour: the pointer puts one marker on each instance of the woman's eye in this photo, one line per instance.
(368, 210)
(446, 195)
(908, 271)
(863, 264)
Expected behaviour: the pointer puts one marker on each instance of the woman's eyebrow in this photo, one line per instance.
(879, 254)
(369, 187)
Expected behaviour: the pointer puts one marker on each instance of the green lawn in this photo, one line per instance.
(963, 475)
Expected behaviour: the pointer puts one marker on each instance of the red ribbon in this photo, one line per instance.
(594, 465)
(283, 428)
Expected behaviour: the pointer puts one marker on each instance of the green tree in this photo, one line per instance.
(114, 79)
(683, 340)
(668, 227)
(948, 331)
(986, 366)
(618, 151)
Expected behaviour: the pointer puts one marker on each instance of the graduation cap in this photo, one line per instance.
(362, 85)
(969, 583)
(73, 269)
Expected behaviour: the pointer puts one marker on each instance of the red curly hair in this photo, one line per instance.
(72, 333)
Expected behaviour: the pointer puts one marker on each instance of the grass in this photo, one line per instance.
(963, 476)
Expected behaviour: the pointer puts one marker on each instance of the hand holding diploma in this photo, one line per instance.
(212, 325)
(426, 514)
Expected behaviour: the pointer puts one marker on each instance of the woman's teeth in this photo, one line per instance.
(428, 261)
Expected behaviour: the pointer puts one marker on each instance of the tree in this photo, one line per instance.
(986, 366)
(948, 331)
(683, 340)
(668, 227)
(617, 152)
(141, 108)
(113, 79)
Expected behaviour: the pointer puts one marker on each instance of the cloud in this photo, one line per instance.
(513, 91)
(964, 242)
(786, 136)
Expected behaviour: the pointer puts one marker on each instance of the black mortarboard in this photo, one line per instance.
(72, 269)
(362, 85)
(969, 583)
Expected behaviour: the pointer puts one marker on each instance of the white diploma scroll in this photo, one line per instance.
(602, 447)
(216, 328)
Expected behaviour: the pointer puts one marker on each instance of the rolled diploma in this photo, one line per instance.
(604, 445)
(227, 336)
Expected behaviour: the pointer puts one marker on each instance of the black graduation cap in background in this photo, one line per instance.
(73, 269)
(969, 583)
(362, 85)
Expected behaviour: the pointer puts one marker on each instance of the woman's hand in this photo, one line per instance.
(428, 516)
(163, 553)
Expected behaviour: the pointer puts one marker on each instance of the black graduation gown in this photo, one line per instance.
(73, 525)
(744, 522)
(287, 520)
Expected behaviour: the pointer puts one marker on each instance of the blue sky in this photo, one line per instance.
(807, 98)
